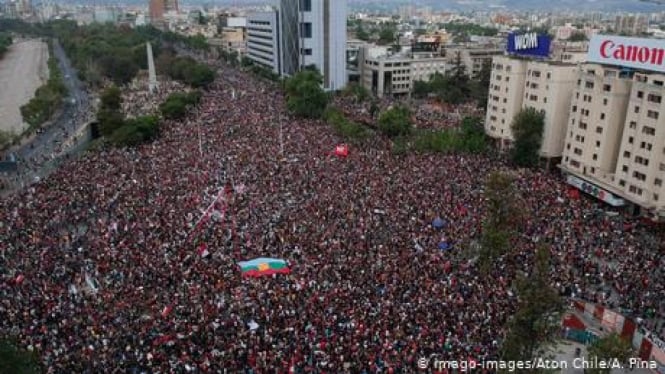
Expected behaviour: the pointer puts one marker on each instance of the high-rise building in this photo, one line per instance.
(157, 8)
(517, 83)
(309, 32)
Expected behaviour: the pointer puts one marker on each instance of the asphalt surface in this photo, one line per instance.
(37, 155)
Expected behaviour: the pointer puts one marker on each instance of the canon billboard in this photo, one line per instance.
(645, 54)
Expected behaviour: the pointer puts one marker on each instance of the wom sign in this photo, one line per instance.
(645, 54)
(529, 44)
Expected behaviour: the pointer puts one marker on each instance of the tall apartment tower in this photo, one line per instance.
(517, 83)
(157, 8)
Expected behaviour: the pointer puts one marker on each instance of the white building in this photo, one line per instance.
(263, 40)
(299, 34)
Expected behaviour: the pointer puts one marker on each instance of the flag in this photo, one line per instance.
(167, 310)
(203, 250)
(342, 150)
(19, 279)
(262, 266)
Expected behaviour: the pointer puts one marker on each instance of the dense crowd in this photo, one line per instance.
(101, 268)
(425, 114)
(138, 101)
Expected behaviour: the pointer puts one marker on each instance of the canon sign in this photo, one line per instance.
(646, 54)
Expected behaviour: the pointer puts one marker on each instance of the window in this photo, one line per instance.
(622, 183)
(640, 94)
(648, 130)
(306, 5)
(306, 51)
(626, 154)
(630, 140)
(658, 182)
(578, 151)
(597, 143)
(306, 29)
(599, 130)
(602, 116)
(588, 84)
(595, 157)
(637, 109)
(607, 88)
(624, 169)
(654, 98)
(652, 114)
(639, 176)
(633, 125)
(604, 101)
(574, 108)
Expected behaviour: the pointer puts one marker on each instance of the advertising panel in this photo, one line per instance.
(595, 191)
(529, 44)
(638, 53)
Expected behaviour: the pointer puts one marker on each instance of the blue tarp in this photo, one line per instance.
(438, 223)
(444, 246)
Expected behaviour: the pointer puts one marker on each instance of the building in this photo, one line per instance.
(308, 32)
(615, 142)
(315, 34)
(157, 8)
(518, 83)
(394, 75)
(472, 57)
(631, 24)
(234, 39)
(263, 40)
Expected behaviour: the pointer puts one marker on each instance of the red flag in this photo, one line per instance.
(19, 279)
(203, 250)
(342, 150)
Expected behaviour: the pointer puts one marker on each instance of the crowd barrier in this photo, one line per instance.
(648, 345)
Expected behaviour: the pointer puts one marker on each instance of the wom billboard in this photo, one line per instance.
(529, 44)
(646, 54)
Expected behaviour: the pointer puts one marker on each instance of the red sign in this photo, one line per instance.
(645, 54)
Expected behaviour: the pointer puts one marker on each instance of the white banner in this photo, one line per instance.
(639, 53)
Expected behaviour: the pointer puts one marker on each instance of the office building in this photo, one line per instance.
(631, 24)
(472, 57)
(157, 8)
(394, 75)
(308, 32)
(263, 42)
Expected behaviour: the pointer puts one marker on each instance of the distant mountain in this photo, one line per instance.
(517, 5)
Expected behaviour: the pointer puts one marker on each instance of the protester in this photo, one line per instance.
(101, 271)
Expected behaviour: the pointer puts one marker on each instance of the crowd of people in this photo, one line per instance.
(138, 101)
(425, 113)
(101, 267)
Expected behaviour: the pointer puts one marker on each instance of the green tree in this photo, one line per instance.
(421, 89)
(578, 37)
(610, 348)
(199, 76)
(361, 33)
(527, 128)
(501, 218)
(482, 84)
(178, 104)
(387, 35)
(16, 360)
(111, 98)
(537, 320)
(136, 131)
(305, 97)
(395, 122)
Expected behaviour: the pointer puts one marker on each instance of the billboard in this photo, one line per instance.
(638, 53)
(595, 191)
(529, 44)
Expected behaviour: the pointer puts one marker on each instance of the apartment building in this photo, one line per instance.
(615, 142)
(641, 167)
(518, 83)
(263, 46)
(505, 97)
(595, 126)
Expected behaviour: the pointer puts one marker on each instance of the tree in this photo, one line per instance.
(482, 84)
(111, 98)
(136, 131)
(421, 89)
(361, 33)
(395, 122)
(177, 104)
(387, 35)
(199, 76)
(536, 322)
(305, 97)
(578, 37)
(610, 348)
(527, 129)
(16, 360)
(501, 217)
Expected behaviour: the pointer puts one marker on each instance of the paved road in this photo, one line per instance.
(37, 154)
